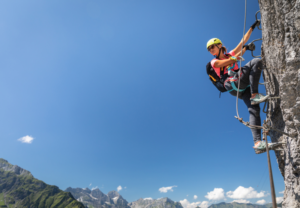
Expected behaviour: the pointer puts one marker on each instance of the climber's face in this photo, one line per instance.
(214, 49)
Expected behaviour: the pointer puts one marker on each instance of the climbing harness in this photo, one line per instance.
(231, 79)
(219, 82)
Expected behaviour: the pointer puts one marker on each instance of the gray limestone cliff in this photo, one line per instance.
(281, 56)
(155, 203)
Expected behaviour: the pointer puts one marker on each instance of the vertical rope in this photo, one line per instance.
(237, 97)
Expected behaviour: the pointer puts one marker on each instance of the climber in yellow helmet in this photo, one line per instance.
(223, 72)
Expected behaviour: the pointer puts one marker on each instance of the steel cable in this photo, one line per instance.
(238, 91)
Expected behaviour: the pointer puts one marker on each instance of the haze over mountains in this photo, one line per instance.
(18, 188)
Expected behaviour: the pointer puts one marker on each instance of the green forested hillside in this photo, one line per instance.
(24, 191)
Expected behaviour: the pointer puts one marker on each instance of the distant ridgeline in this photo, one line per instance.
(18, 188)
(240, 205)
(96, 199)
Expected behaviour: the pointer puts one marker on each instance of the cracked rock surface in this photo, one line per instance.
(281, 56)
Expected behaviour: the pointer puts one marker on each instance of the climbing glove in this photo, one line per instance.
(247, 47)
(256, 23)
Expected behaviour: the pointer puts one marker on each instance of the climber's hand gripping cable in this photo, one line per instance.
(255, 24)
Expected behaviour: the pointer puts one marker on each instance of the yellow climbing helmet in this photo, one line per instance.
(213, 41)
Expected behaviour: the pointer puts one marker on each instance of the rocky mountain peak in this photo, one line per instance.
(155, 203)
(6, 166)
(113, 194)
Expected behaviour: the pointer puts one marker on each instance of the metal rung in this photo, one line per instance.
(263, 83)
(257, 19)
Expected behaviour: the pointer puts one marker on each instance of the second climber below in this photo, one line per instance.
(224, 74)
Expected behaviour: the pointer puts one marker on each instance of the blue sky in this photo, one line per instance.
(115, 93)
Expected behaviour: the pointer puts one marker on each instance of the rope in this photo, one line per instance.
(237, 97)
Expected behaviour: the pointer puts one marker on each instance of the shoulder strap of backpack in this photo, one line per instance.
(211, 73)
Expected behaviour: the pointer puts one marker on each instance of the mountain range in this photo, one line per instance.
(96, 199)
(18, 188)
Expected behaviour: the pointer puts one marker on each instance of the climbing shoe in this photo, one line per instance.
(259, 98)
(260, 147)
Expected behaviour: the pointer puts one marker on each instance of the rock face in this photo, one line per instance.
(155, 203)
(281, 56)
(18, 188)
(96, 199)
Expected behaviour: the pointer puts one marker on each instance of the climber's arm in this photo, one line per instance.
(240, 45)
(222, 63)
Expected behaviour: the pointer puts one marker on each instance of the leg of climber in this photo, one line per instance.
(254, 112)
(254, 115)
(252, 71)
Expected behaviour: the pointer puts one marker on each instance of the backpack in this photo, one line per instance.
(215, 79)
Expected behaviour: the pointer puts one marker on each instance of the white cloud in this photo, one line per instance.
(125, 187)
(119, 188)
(166, 189)
(26, 139)
(195, 196)
(242, 201)
(204, 204)
(279, 199)
(90, 184)
(245, 193)
(149, 198)
(282, 192)
(94, 188)
(261, 202)
(216, 194)
(186, 204)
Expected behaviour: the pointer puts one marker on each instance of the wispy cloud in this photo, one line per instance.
(281, 192)
(119, 188)
(166, 189)
(26, 139)
(195, 196)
